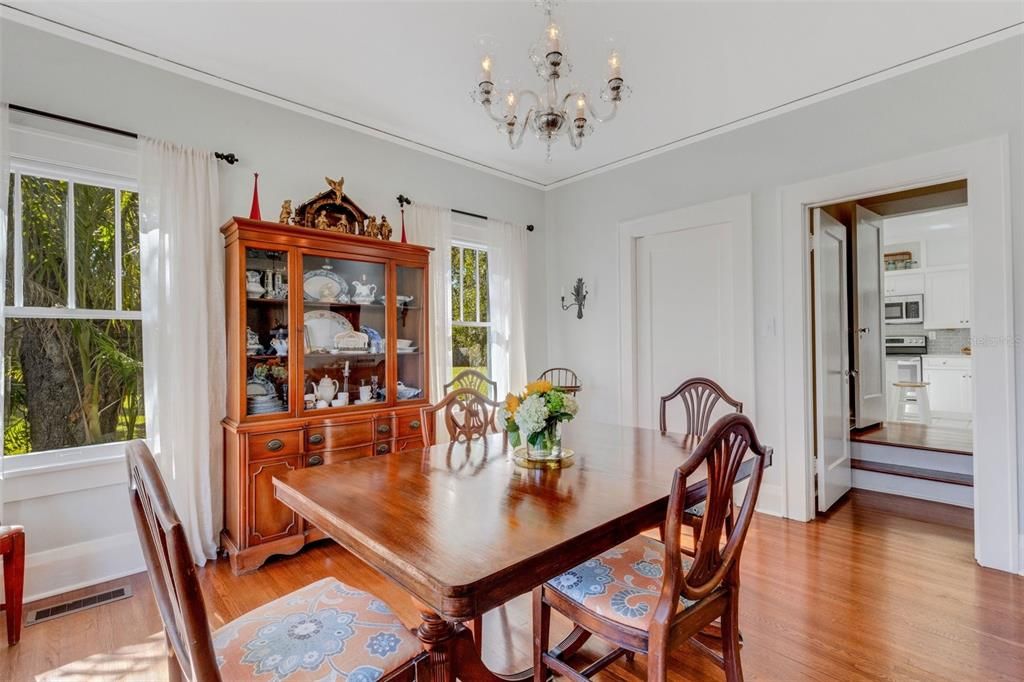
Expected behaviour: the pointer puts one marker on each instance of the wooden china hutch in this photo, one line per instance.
(327, 361)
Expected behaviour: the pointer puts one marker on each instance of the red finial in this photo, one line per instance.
(404, 240)
(254, 212)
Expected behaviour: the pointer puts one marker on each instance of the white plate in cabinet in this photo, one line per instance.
(947, 298)
(903, 283)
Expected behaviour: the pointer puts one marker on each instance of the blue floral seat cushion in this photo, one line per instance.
(622, 584)
(324, 631)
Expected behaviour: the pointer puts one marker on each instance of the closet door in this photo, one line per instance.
(867, 337)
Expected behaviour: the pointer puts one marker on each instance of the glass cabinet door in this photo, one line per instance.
(344, 325)
(412, 333)
(266, 319)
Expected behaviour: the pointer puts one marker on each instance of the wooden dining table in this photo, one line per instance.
(463, 529)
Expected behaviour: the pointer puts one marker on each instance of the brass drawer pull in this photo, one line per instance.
(316, 438)
(275, 444)
(383, 428)
(414, 424)
(315, 460)
(383, 449)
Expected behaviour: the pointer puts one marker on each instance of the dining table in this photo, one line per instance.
(462, 528)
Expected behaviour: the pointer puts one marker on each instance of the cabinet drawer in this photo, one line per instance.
(342, 455)
(384, 427)
(336, 436)
(409, 425)
(413, 443)
(274, 444)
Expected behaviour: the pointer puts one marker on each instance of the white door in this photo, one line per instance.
(831, 360)
(867, 337)
(686, 315)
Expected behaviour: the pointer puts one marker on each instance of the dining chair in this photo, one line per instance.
(645, 596)
(12, 549)
(325, 629)
(563, 378)
(466, 414)
(700, 397)
(471, 378)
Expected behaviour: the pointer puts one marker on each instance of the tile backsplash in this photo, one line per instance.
(946, 341)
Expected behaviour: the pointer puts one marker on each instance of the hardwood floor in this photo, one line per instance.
(917, 436)
(881, 587)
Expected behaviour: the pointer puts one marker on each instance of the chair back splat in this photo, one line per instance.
(699, 396)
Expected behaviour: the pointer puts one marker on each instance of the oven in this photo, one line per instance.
(903, 358)
(904, 309)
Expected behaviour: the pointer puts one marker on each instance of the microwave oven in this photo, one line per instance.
(904, 309)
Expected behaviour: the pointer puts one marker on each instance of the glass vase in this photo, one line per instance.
(549, 443)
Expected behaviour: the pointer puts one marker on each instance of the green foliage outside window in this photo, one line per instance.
(470, 311)
(73, 382)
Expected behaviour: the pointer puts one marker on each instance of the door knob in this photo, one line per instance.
(864, 330)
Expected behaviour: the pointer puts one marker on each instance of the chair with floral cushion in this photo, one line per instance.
(325, 630)
(699, 397)
(645, 596)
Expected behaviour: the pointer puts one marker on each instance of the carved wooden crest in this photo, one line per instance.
(332, 209)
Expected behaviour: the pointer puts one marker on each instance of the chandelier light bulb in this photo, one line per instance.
(485, 69)
(614, 65)
(554, 38)
(581, 107)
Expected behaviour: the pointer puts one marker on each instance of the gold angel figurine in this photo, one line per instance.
(286, 212)
(338, 186)
(321, 221)
(385, 228)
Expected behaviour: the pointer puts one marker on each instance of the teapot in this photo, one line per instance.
(326, 389)
(364, 293)
(279, 345)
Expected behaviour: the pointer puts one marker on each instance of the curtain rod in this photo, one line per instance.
(229, 157)
(404, 201)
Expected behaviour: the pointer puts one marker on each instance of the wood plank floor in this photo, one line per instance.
(879, 588)
(917, 436)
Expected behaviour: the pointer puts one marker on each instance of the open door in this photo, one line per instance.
(831, 364)
(868, 342)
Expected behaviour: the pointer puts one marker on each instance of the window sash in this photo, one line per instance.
(71, 177)
(458, 275)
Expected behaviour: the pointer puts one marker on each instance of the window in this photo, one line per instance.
(471, 325)
(72, 337)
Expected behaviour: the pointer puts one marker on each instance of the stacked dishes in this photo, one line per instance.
(261, 396)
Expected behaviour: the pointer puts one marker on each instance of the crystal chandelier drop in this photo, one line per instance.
(550, 114)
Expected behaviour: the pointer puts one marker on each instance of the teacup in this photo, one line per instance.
(340, 401)
(364, 393)
(320, 404)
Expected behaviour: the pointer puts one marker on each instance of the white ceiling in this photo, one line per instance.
(407, 68)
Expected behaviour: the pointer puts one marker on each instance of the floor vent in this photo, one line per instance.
(75, 605)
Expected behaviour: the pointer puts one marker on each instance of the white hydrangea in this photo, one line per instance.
(532, 415)
(571, 404)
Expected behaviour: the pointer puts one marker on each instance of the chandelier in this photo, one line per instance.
(548, 115)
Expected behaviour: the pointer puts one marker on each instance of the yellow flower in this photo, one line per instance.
(512, 404)
(539, 386)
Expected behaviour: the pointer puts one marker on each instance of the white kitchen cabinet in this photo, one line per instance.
(950, 385)
(947, 298)
(903, 283)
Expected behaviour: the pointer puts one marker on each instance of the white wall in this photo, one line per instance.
(292, 153)
(977, 95)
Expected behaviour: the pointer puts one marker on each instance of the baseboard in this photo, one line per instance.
(769, 500)
(62, 569)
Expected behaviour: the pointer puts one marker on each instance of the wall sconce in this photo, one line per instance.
(579, 297)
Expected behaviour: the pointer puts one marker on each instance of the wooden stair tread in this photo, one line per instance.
(913, 472)
(917, 437)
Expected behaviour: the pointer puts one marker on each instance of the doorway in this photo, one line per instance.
(984, 164)
(892, 347)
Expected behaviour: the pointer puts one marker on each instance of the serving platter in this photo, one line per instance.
(324, 285)
(321, 326)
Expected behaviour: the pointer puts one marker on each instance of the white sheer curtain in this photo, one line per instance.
(183, 331)
(432, 226)
(506, 261)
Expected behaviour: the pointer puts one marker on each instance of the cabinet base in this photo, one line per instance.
(249, 559)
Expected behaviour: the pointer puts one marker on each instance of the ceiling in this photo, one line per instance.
(407, 68)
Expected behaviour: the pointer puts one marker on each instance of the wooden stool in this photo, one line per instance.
(913, 393)
(12, 548)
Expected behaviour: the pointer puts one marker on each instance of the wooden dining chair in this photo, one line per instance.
(466, 414)
(471, 378)
(699, 397)
(12, 549)
(644, 596)
(322, 630)
(563, 378)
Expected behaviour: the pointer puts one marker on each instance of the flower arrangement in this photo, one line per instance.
(272, 368)
(536, 415)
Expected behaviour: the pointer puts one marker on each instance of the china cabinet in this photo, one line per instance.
(327, 348)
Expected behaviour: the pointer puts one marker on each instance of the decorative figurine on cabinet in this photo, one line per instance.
(385, 228)
(338, 186)
(372, 229)
(286, 213)
(321, 222)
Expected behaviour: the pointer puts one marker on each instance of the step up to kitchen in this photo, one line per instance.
(921, 473)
